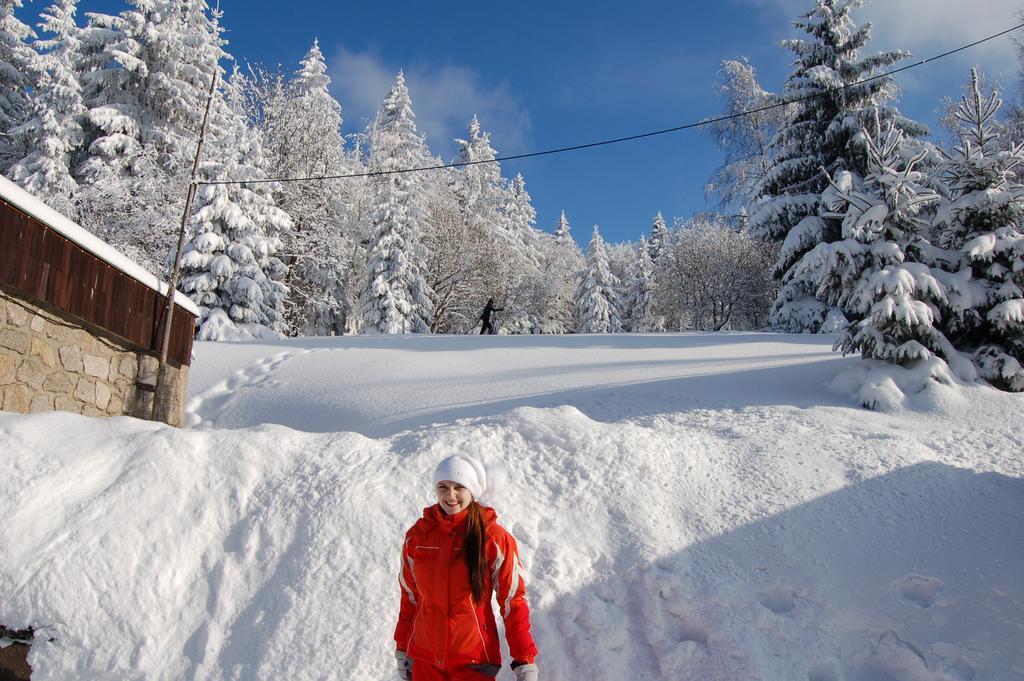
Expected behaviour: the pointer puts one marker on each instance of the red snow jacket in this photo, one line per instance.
(438, 621)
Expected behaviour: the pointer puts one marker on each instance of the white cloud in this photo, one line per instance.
(929, 27)
(444, 99)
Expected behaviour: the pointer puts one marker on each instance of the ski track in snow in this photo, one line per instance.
(765, 531)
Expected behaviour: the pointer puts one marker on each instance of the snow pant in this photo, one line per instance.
(424, 671)
(486, 328)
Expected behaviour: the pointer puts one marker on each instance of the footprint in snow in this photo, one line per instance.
(781, 600)
(918, 589)
(204, 409)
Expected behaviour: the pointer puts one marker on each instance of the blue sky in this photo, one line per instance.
(544, 74)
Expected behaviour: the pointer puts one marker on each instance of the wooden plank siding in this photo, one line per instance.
(53, 269)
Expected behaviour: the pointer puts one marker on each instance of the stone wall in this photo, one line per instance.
(49, 362)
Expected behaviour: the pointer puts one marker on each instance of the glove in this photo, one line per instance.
(404, 665)
(490, 670)
(525, 672)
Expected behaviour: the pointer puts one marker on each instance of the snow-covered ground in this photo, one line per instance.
(687, 506)
(381, 385)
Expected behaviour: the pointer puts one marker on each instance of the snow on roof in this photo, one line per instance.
(20, 198)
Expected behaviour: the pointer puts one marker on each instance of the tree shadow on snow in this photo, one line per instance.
(610, 403)
(910, 576)
(468, 342)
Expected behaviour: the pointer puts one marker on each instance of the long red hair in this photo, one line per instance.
(475, 547)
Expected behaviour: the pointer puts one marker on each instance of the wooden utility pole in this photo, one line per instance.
(165, 341)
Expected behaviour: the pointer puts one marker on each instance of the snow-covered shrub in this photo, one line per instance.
(713, 276)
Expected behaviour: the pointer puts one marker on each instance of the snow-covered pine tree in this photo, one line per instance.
(359, 204)
(145, 76)
(980, 226)
(524, 268)
(659, 237)
(598, 306)
(1013, 117)
(892, 302)
(54, 134)
(522, 218)
(488, 245)
(481, 190)
(182, 47)
(521, 214)
(484, 246)
(563, 263)
(229, 266)
(396, 297)
(831, 104)
(620, 262)
(111, 162)
(18, 76)
(302, 138)
(640, 303)
(111, 73)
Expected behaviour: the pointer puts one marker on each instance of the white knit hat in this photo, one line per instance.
(464, 470)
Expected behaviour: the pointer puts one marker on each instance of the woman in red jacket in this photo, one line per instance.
(452, 560)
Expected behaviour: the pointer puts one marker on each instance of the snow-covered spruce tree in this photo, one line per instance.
(145, 77)
(18, 76)
(831, 104)
(488, 241)
(641, 317)
(980, 226)
(524, 268)
(54, 134)
(562, 266)
(620, 263)
(480, 187)
(111, 74)
(302, 138)
(522, 218)
(892, 302)
(482, 241)
(396, 297)
(182, 47)
(598, 306)
(659, 237)
(229, 266)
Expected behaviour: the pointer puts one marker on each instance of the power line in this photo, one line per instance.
(718, 119)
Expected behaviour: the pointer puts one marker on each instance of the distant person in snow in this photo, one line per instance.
(452, 559)
(485, 316)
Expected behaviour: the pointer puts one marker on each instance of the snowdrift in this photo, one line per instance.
(708, 516)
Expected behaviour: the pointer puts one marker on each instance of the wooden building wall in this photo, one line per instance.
(53, 269)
